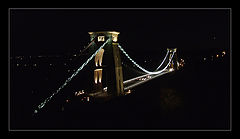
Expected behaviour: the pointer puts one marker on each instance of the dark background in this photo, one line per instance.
(40, 31)
(196, 97)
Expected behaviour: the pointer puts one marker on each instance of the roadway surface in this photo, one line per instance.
(131, 83)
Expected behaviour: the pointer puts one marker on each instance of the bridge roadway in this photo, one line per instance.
(131, 83)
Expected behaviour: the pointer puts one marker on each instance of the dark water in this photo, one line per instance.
(195, 97)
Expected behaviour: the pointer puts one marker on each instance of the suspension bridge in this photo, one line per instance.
(107, 71)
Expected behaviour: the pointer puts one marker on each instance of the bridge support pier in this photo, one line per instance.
(174, 63)
(107, 65)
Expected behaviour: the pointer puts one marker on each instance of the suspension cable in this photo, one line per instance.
(144, 70)
(162, 61)
(40, 106)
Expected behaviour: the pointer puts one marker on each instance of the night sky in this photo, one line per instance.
(57, 31)
(201, 87)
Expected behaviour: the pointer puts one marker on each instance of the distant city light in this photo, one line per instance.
(79, 93)
(217, 56)
(105, 89)
(204, 58)
(223, 53)
(171, 69)
(128, 92)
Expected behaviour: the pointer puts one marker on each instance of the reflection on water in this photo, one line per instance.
(170, 99)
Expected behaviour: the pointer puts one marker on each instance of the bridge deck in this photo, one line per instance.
(141, 79)
(129, 84)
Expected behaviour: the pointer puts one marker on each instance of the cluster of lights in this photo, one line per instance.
(34, 65)
(223, 53)
(181, 63)
(143, 79)
(79, 93)
(69, 79)
(19, 57)
(141, 68)
(105, 89)
(85, 98)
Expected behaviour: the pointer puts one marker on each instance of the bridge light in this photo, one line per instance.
(128, 92)
(223, 53)
(114, 37)
(171, 69)
(101, 38)
(95, 80)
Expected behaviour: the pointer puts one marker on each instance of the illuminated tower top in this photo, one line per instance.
(103, 35)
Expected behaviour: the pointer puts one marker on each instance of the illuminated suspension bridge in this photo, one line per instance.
(105, 44)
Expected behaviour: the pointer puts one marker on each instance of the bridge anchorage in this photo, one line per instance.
(106, 69)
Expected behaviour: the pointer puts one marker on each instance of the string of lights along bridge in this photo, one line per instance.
(105, 44)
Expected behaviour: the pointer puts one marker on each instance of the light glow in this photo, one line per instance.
(99, 57)
(101, 38)
(98, 76)
(223, 52)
